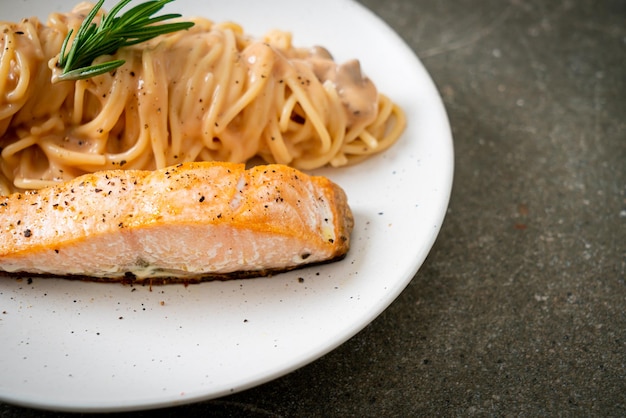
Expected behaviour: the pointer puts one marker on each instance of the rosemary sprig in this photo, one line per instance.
(114, 32)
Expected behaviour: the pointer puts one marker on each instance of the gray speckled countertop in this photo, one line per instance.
(520, 308)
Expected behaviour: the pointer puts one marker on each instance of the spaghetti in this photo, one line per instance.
(208, 93)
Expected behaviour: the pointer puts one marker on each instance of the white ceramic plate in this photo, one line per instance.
(78, 346)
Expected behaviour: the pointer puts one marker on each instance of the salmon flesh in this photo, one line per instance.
(186, 223)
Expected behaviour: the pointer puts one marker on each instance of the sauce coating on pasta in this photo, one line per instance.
(208, 93)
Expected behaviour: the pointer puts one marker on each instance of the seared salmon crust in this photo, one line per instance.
(186, 223)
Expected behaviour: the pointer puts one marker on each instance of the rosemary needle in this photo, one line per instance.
(114, 32)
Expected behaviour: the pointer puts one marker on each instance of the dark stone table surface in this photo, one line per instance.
(520, 308)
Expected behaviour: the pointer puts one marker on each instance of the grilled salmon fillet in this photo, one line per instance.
(186, 223)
